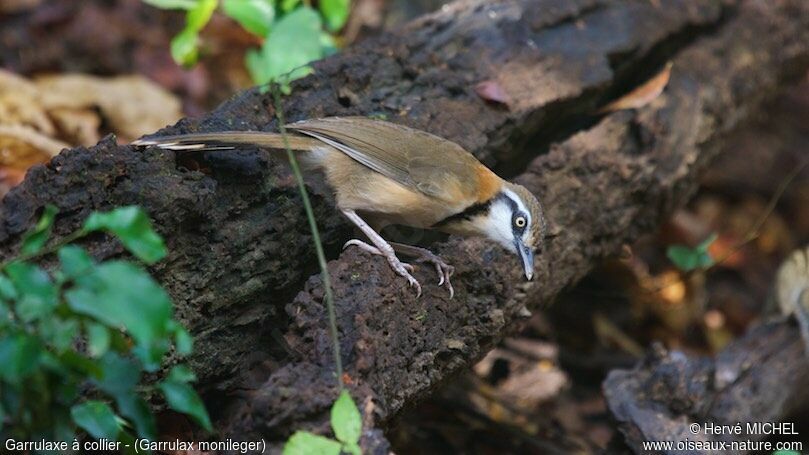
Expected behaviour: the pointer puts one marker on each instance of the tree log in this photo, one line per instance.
(761, 378)
(241, 268)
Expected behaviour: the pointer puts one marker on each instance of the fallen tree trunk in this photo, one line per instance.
(241, 264)
(761, 378)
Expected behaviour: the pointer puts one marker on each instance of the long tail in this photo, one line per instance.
(227, 140)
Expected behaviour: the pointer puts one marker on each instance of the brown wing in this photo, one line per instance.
(416, 159)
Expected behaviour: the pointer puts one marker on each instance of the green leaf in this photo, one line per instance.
(198, 16)
(256, 16)
(184, 48)
(119, 376)
(687, 259)
(98, 339)
(59, 332)
(19, 357)
(288, 5)
(181, 373)
(172, 4)
(345, 419)
(132, 227)
(120, 294)
(37, 294)
(182, 398)
(335, 12)
(96, 418)
(292, 44)
(183, 341)
(7, 291)
(37, 237)
(135, 408)
(75, 261)
(305, 443)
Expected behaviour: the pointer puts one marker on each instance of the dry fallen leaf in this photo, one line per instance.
(20, 104)
(20, 148)
(20, 139)
(132, 105)
(40, 118)
(643, 95)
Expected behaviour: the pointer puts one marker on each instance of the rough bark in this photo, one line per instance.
(241, 267)
(762, 377)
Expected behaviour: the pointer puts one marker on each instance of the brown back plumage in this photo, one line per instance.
(422, 161)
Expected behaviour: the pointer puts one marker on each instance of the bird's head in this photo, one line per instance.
(512, 218)
(516, 221)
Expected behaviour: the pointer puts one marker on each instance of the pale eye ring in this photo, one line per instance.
(519, 222)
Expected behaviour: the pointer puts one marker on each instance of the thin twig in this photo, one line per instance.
(321, 256)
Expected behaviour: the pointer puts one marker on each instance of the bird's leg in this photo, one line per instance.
(444, 270)
(381, 247)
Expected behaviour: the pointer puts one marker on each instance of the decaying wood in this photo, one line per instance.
(762, 377)
(241, 267)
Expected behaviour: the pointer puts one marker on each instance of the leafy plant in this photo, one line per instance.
(687, 258)
(346, 423)
(88, 329)
(294, 34)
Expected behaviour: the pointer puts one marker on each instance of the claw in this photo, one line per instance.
(443, 269)
(401, 268)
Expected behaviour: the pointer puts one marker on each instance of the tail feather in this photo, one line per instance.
(227, 140)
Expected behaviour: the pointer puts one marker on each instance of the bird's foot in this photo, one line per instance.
(443, 269)
(401, 268)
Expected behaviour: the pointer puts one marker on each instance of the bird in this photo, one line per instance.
(384, 173)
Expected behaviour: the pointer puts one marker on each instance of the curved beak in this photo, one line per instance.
(526, 256)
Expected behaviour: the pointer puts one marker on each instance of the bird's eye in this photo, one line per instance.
(519, 222)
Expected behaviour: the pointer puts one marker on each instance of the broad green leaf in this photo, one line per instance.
(181, 373)
(182, 398)
(183, 341)
(256, 16)
(119, 377)
(687, 259)
(5, 315)
(7, 291)
(335, 12)
(172, 4)
(59, 332)
(120, 294)
(77, 362)
(328, 43)
(37, 295)
(98, 339)
(292, 44)
(198, 16)
(305, 443)
(288, 5)
(135, 408)
(75, 261)
(132, 227)
(19, 357)
(184, 48)
(37, 237)
(96, 418)
(345, 419)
